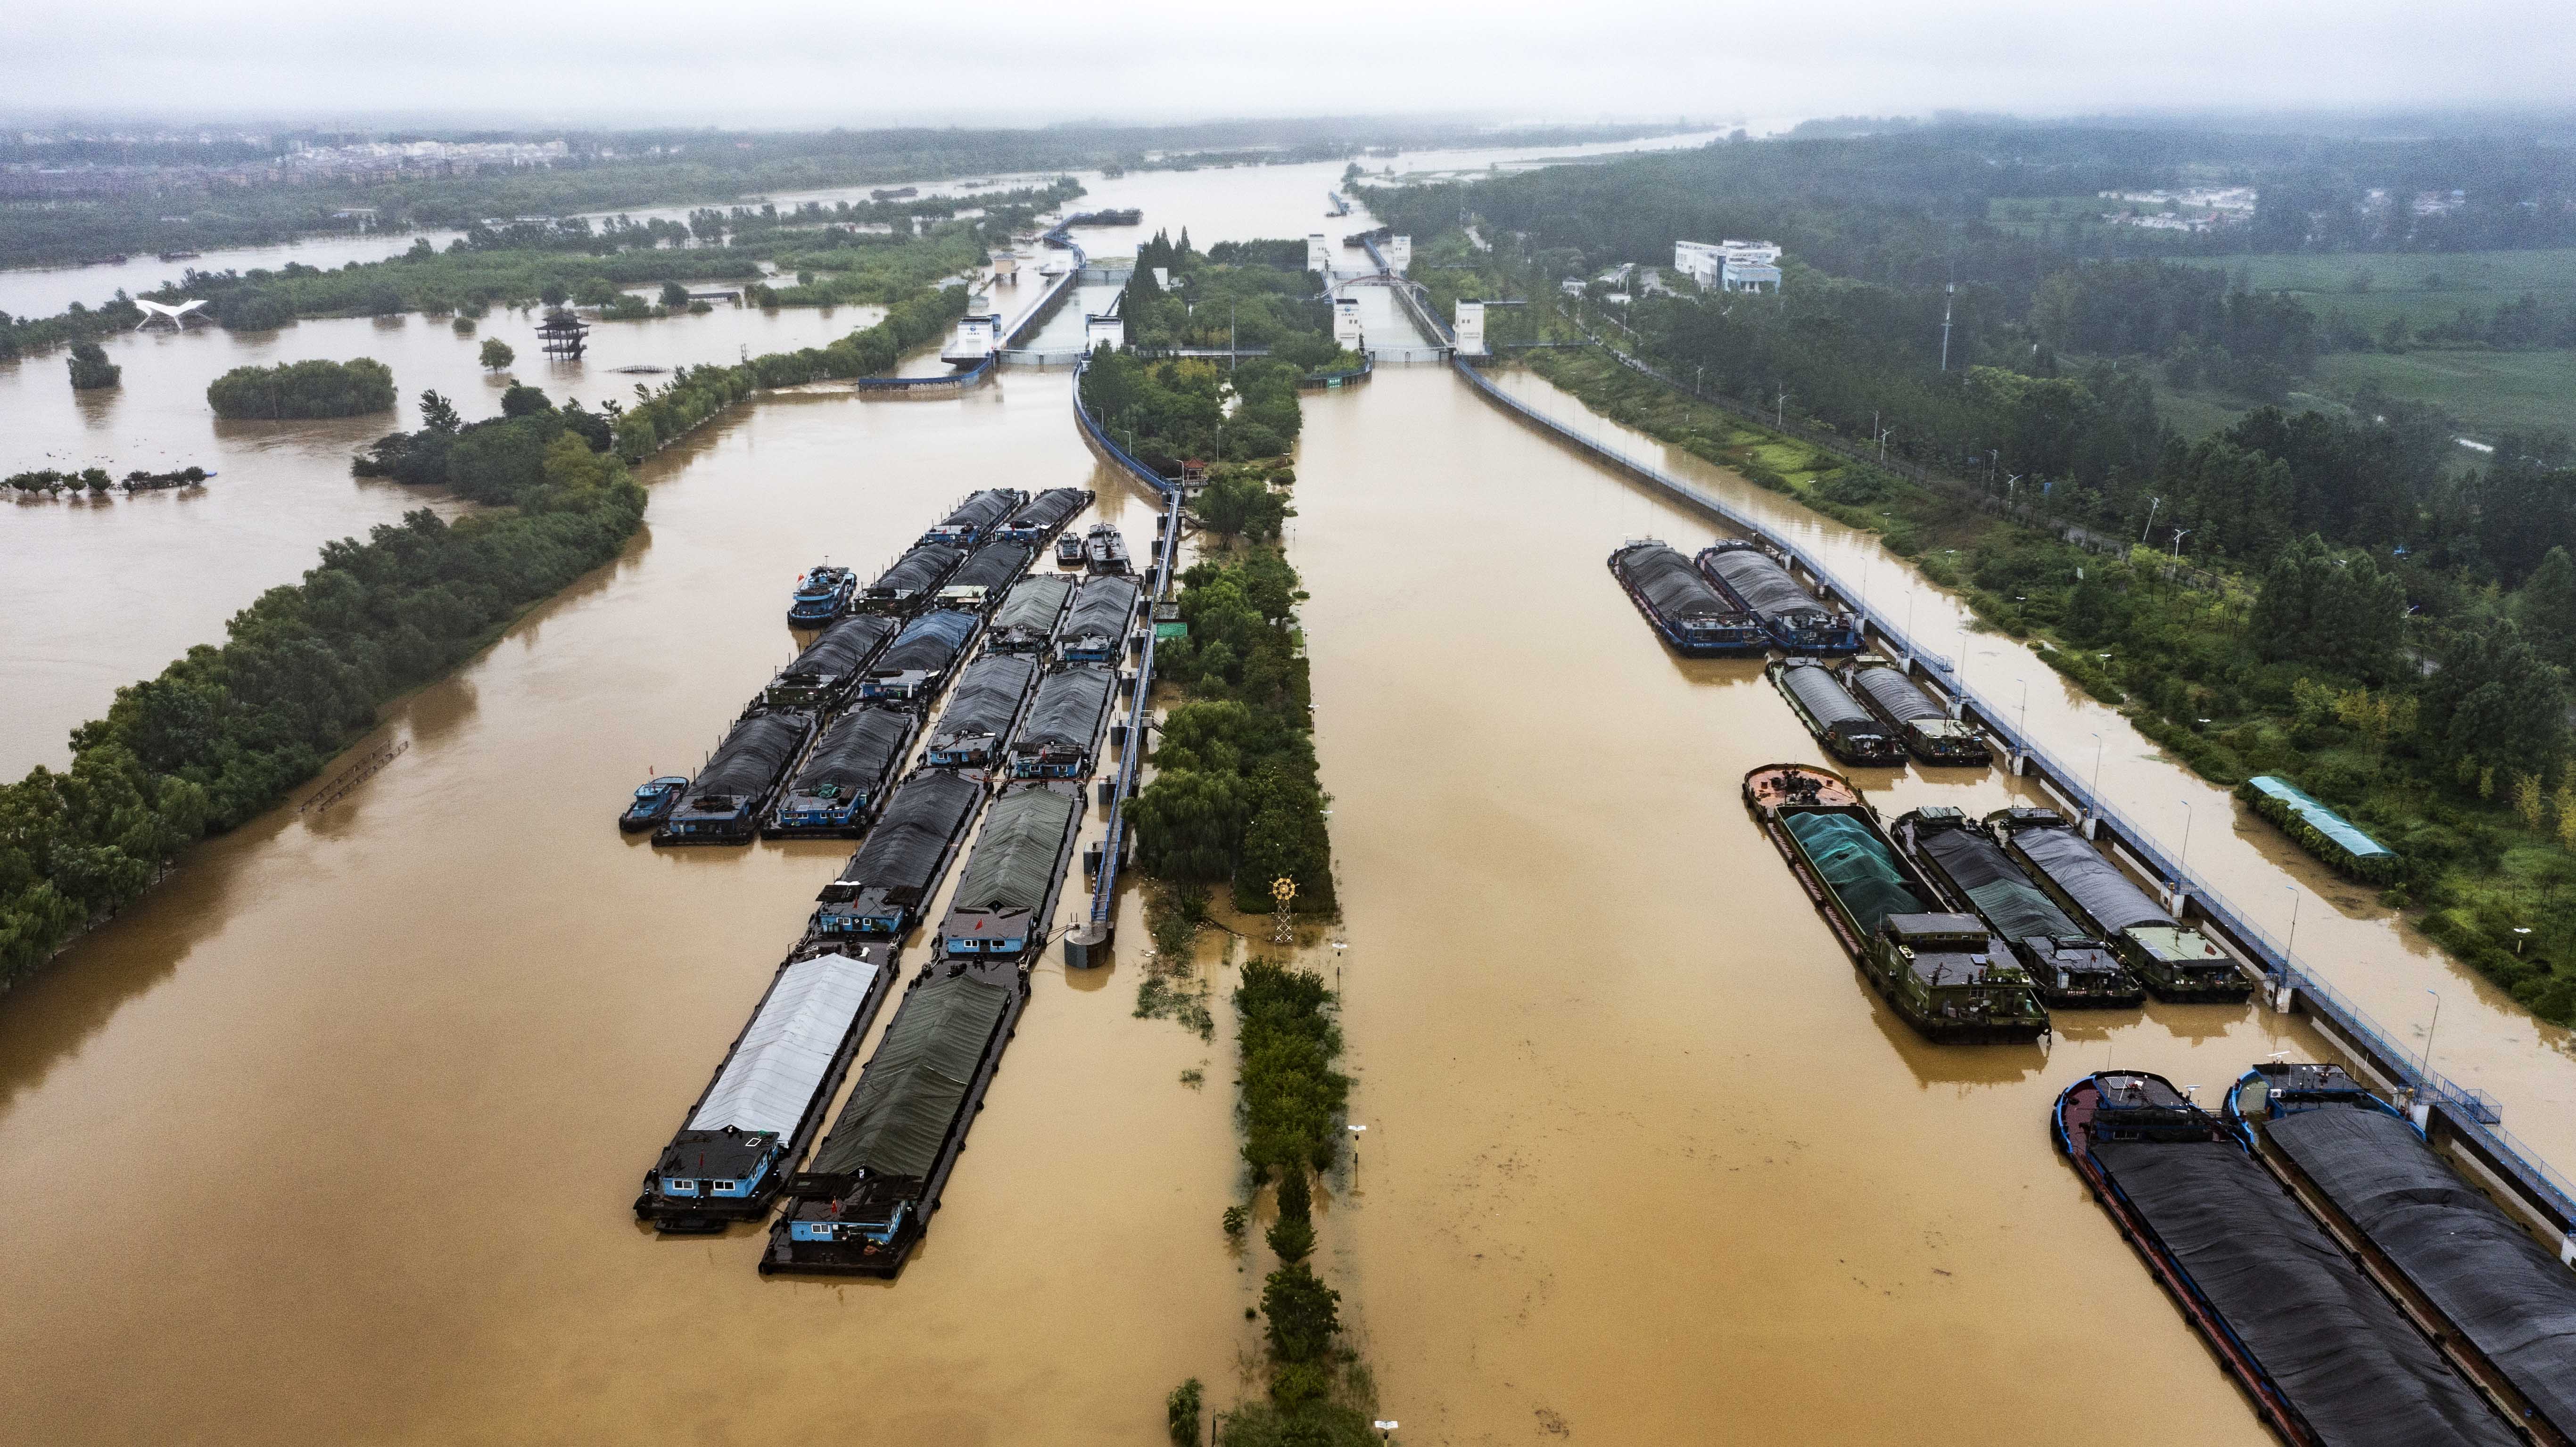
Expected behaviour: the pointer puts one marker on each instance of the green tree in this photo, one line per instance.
(675, 294)
(2546, 608)
(1303, 1314)
(437, 414)
(554, 293)
(497, 355)
(90, 368)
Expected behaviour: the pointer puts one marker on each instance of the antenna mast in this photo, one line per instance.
(1948, 292)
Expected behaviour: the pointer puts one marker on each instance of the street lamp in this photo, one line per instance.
(2428, 1036)
(2093, 805)
(2182, 862)
(2290, 949)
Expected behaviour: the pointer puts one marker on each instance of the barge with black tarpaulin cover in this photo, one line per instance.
(2497, 1300)
(1847, 731)
(2173, 960)
(1683, 608)
(868, 1196)
(2069, 968)
(1103, 614)
(1045, 515)
(989, 569)
(723, 804)
(885, 886)
(823, 676)
(2326, 1356)
(1941, 972)
(753, 1122)
(913, 579)
(980, 713)
(1059, 737)
(917, 662)
(1754, 581)
(1005, 901)
(846, 774)
(1025, 623)
(822, 594)
(1924, 727)
(970, 521)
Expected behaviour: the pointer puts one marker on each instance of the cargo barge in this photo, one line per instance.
(1095, 629)
(723, 804)
(1059, 737)
(2175, 961)
(981, 712)
(876, 1180)
(823, 676)
(1025, 623)
(884, 888)
(846, 775)
(2498, 1302)
(1683, 608)
(1005, 902)
(970, 521)
(2070, 969)
(1847, 731)
(919, 659)
(911, 580)
(2327, 1358)
(822, 594)
(753, 1122)
(1754, 582)
(1939, 971)
(1104, 550)
(1045, 515)
(1926, 729)
(986, 571)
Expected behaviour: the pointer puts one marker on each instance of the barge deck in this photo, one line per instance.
(723, 804)
(889, 881)
(1059, 737)
(1928, 731)
(981, 712)
(1005, 904)
(1839, 724)
(845, 775)
(1750, 578)
(2070, 969)
(822, 676)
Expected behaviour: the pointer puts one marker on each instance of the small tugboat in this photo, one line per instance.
(652, 804)
(1105, 549)
(2070, 969)
(822, 594)
(1069, 550)
(1848, 731)
(1942, 972)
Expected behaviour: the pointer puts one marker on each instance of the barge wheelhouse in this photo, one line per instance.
(1685, 609)
(2175, 961)
(2326, 1357)
(1104, 549)
(1847, 731)
(1044, 515)
(1941, 972)
(980, 712)
(1928, 731)
(918, 660)
(846, 775)
(886, 885)
(1754, 581)
(1025, 623)
(723, 804)
(2069, 968)
(753, 1122)
(1059, 738)
(986, 571)
(867, 1198)
(822, 594)
(970, 521)
(823, 675)
(1071, 550)
(913, 579)
(1005, 902)
(653, 803)
(1095, 629)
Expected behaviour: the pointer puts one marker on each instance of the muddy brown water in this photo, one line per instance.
(333, 1137)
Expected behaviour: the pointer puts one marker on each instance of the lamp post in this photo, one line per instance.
(2182, 862)
(2093, 803)
(2428, 1036)
(2290, 948)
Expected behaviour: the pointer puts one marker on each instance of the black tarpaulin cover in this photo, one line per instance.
(1764, 585)
(1891, 690)
(2348, 1362)
(1032, 605)
(2091, 880)
(1021, 851)
(1104, 607)
(843, 648)
(1671, 585)
(1825, 697)
(991, 566)
(2013, 906)
(984, 507)
(928, 642)
(856, 754)
(987, 697)
(921, 568)
(2507, 1293)
(1067, 710)
(904, 850)
(1051, 508)
(909, 1094)
(752, 756)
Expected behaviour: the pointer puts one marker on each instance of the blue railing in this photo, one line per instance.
(2471, 1111)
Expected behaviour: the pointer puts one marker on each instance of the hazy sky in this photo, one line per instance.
(1013, 61)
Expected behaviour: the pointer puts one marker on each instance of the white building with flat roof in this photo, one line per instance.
(1346, 323)
(1469, 323)
(1730, 265)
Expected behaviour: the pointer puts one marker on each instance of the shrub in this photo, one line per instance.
(90, 368)
(303, 389)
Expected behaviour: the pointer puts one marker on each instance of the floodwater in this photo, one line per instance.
(343, 1121)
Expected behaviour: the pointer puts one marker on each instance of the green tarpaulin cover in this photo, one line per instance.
(1016, 856)
(1856, 866)
(911, 1090)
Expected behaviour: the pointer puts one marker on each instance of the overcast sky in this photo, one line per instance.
(801, 62)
